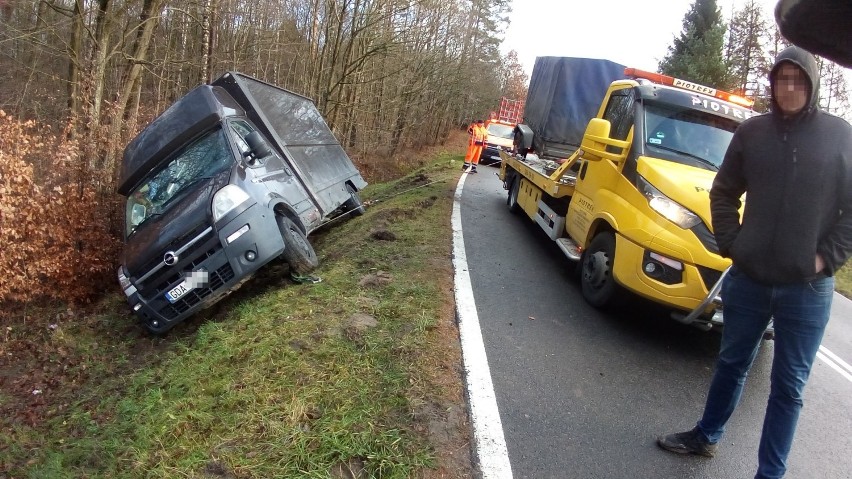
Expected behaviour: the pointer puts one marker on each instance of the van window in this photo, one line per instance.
(241, 130)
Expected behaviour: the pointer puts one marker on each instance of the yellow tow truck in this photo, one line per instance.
(631, 203)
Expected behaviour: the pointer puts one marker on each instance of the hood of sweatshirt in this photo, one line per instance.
(805, 61)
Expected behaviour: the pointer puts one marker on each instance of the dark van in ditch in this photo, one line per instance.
(233, 175)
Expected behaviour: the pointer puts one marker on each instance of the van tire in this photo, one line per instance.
(512, 199)
(596, 277)
(353, 204)
(298, 252)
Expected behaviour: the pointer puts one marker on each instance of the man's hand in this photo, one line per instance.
(819, 263)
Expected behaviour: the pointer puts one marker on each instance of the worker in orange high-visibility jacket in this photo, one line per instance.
(478, 135)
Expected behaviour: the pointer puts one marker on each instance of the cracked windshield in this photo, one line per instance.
(687, 136)
(202, 159)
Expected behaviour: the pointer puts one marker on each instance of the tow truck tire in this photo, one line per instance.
(354, 204)
(596, 279)
(298, 252)
(512, 199)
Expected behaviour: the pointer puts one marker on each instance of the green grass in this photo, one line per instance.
(274, 382)
(843, 281)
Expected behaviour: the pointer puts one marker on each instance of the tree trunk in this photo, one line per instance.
(74, 56)
(133, 70)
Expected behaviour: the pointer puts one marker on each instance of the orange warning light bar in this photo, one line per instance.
(687, 85)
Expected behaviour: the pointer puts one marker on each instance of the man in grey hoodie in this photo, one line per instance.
(795, 166)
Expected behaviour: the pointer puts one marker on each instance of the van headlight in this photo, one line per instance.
(226, 199)
(665, 206)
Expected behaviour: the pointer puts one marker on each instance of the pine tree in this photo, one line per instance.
(697, 54)
(745, 52)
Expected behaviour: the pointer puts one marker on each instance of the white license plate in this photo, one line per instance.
(179, 291)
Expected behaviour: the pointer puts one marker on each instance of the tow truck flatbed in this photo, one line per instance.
(557, 180)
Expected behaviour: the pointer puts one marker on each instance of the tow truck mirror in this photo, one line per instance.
(594, 139)
(258, 147)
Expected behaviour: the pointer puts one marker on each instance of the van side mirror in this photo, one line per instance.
(258, 147)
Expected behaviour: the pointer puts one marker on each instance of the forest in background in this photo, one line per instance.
(736, 54)
(386, 74)
(82, 77)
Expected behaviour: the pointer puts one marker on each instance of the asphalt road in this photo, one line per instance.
(583, 394)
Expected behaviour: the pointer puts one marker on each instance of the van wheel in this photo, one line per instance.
(597, 281)
(298, 252)
(512, 200)
(354, 203)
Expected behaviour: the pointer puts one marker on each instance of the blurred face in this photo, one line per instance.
(791, 89)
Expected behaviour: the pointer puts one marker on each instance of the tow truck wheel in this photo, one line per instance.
(512, 199)
(298, 252)
(597, 282)
(354, 203)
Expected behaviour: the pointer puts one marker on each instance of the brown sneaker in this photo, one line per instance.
(689, 442)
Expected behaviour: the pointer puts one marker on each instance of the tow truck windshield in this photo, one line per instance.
(204, 158)
(687, 136)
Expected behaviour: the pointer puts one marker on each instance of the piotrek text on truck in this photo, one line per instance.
(231, 176)
(630, 202)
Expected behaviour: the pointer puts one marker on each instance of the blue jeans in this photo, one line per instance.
(800, 312)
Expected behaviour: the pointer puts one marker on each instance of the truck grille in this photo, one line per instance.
(199, 250)
(173, 246)
(166, 285)
(217, 279)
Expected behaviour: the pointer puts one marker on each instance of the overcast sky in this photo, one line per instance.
(633, 33)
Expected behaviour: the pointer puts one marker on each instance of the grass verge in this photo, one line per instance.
(843, 280)
(357, 376)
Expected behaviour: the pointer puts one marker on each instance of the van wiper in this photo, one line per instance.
(152, 215)
(183, 190)
(709, 164)
(178, 194)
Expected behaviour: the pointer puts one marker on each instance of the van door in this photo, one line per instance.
(274, 176)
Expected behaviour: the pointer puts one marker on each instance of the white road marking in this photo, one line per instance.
(487, 427)
(834, 361)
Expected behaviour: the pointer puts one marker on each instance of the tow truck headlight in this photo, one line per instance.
(226, 199)
(665, 206)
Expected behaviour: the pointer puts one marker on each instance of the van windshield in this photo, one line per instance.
(503, 131)
(687, 136)
(204, 158)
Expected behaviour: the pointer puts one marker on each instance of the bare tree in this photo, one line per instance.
(385, 73)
